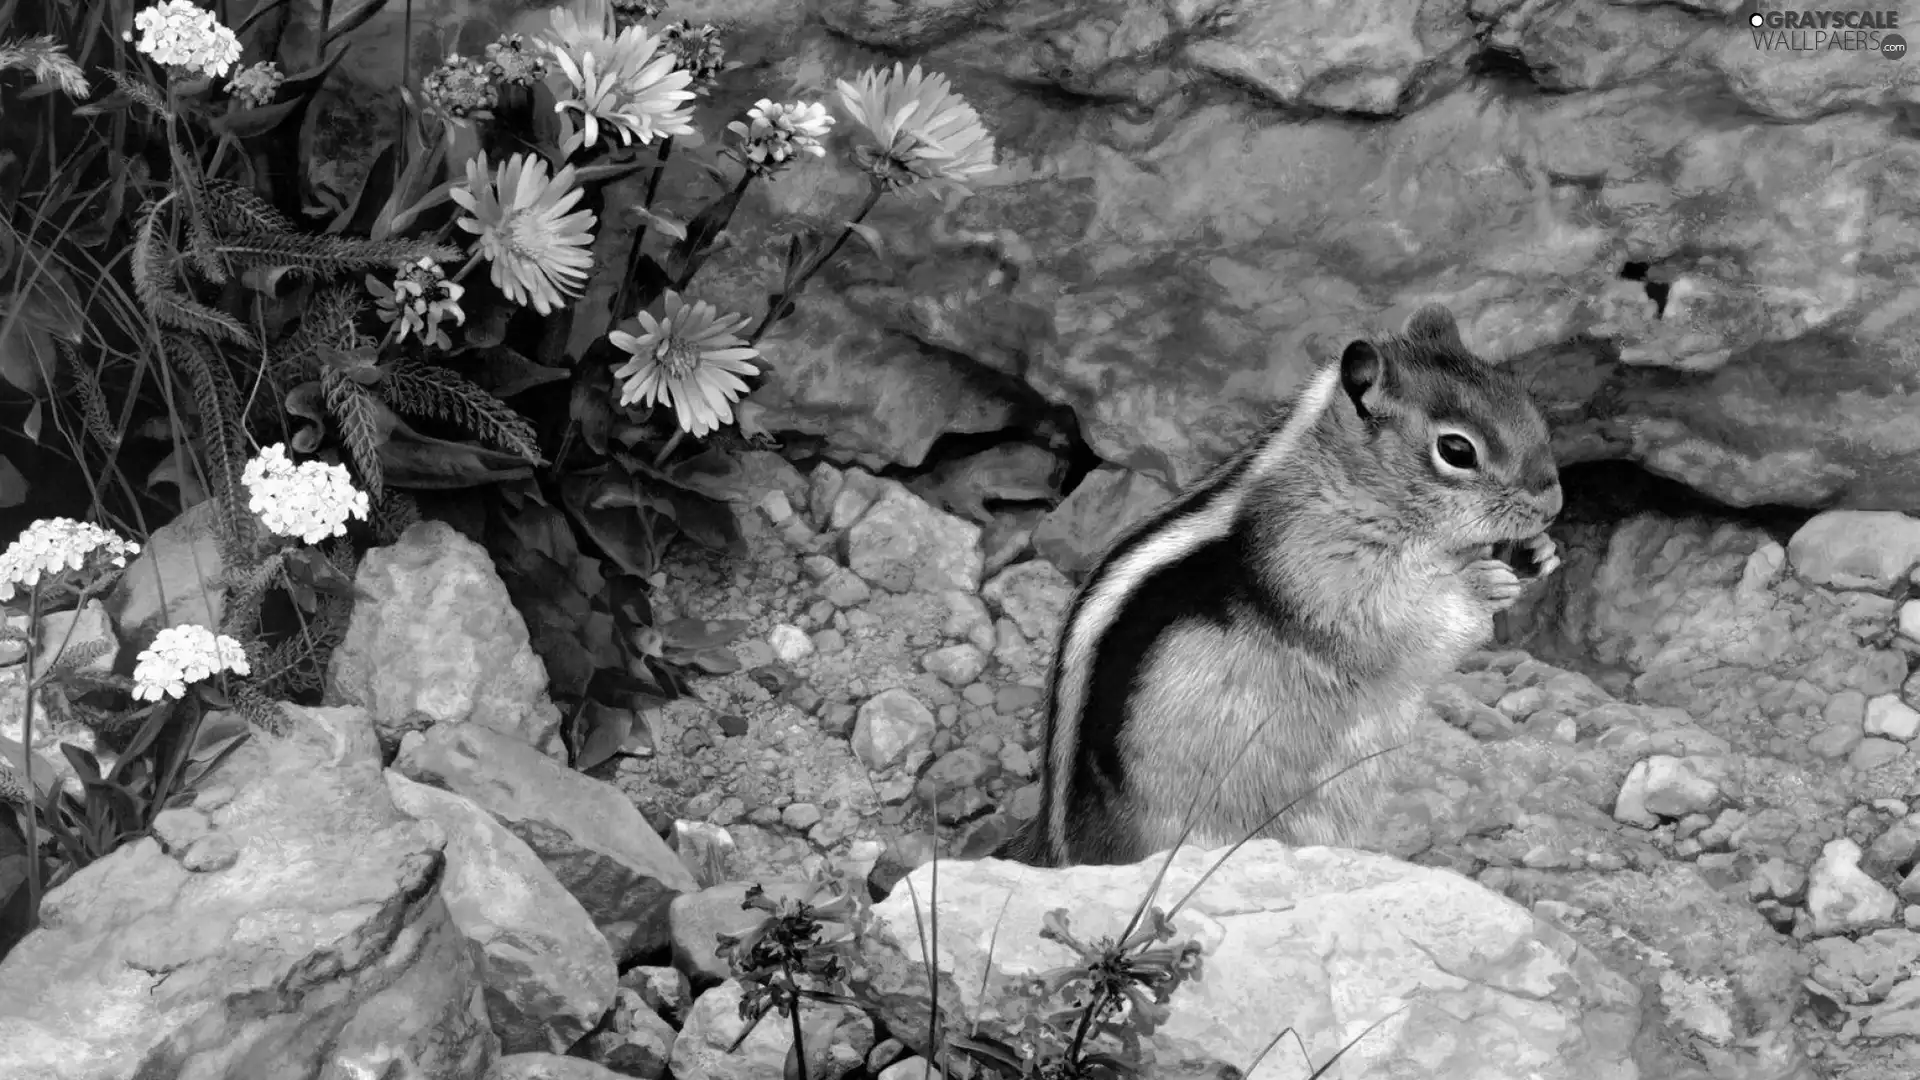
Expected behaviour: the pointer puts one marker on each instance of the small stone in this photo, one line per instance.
(1841, 897)
(1522, 703)
(1856, 549)
(838, 719)
(1873, 753)
(1896, 850)
(1835, 741)
(1889, 716)
(732, 725)
(890, 726)
(1678, 786)
(1910, 620)
(800, 816)
(1630, 806)
(1778, 879)
(829, 641)
(790, 644)
(1014, 701)
(955, 665)
(210, 854)
(776, 506)
(1016, 760)
(912, 1068)
(663, 989)
(844, 589)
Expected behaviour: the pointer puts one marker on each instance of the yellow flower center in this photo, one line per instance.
(680, 359)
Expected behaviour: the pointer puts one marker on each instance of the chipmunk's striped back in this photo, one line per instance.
(1287, 611)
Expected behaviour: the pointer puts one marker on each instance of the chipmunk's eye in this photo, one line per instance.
(1455, 452)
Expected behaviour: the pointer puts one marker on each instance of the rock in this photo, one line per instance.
(1856, 549)
(890, 726)
(547, 971)
(830, 1033)
(436, 640)
(176, 580)
(550, 1067)
(1106, 502)
(1841, 897)
(844, 589)
(1873, 753)
(1894, 851)
(1288, 928)
(663, 989)
(592, 838)
(955, 665)
(790, 644)
(326, 948)
(1630, 806)
(1889, 716)
(51, 730)
(901, 544)
(1034, 595)
(637, 1041)
(1679, 786)
(911, 1068)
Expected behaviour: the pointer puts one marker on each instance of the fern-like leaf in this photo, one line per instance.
(140, 92)
(235, 209)
(394, 515)
(153, 263)
(260, 709)
(328, 326)
(95, 417)
(328, 254)
(246, 590)
(224, 442)
(78, 655)
(48, 62)
(357, 411)
(426, 390)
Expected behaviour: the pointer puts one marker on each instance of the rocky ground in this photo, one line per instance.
(1717, 797)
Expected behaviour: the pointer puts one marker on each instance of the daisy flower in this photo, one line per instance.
(540, 253)
(776, 133)
(924, 131)
(691, 359)
(626, 81)
(697, 51)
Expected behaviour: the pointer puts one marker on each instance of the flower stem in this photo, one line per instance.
(695, 259)
(623, 296)
(669, 447)
(799, 1040)
(468, 265)
(26, 764)
(812, 268)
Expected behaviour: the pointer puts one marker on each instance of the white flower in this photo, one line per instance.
(420, 297)
(778, 132)
(181, 35)
(311, 500)
(256, 84)
(922, 130)
(181, 656)
(55, 545)
(540, 252)
(625, 81)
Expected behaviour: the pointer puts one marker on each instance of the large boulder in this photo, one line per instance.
(290, 923)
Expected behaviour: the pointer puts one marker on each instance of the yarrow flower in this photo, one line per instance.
(256, 84)
(420, 297)
(311, 500)
(539, 252)
(186, 37)
(697, 52)
(691, 359)
(776, 133)
(628, 12)
(461, 89)
(512, 62)
(181, 656)
(625, 81)
(924, 131)
(53, 546)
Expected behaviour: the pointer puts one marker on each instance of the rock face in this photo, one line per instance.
(321, 947)
(438, 641)
(1689, 236)
(1327, 941)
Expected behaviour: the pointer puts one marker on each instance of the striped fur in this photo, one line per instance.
(1286, 614)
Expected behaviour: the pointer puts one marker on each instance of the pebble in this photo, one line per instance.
(955, 665)
(1889, 716)
(790, 644)
(1841, 897)
(800, 816)
(1873, 753)
(1676, 787)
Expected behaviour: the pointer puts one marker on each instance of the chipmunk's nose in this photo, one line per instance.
(1542, 481)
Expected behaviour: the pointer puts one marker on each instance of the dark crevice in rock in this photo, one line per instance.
(1504, 68)
(1656, 290)
(1606, 493)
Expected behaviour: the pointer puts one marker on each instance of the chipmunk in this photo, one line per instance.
(1286, 616)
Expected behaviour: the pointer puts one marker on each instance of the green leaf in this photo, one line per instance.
(361, 212)
(30, 427)
(591, 174)
(660, 223)
(696, 634)
(607, 731)
(711, 661)
(242, 123)
(13, 485)
(353, 22)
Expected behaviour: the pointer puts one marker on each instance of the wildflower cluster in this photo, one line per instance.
(538, 251)
(186, 37)
(791, 954)
(511, 62)
(461, 89)
(628, 12)
(256, 84)
(690, 359)
(698, 52)
(181, 656)
(419, 299)
(312, 500)
(53, 546)
(626, 81)
(774, 134)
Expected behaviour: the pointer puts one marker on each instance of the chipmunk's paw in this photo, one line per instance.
(1543, 554)
(1493, 583)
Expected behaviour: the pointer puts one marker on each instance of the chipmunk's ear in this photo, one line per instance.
(1434, 323)
(1363, 375)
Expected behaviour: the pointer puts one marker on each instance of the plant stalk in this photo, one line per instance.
(26, 764)
(799, 1040)
(812, 268)
(623, 296)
